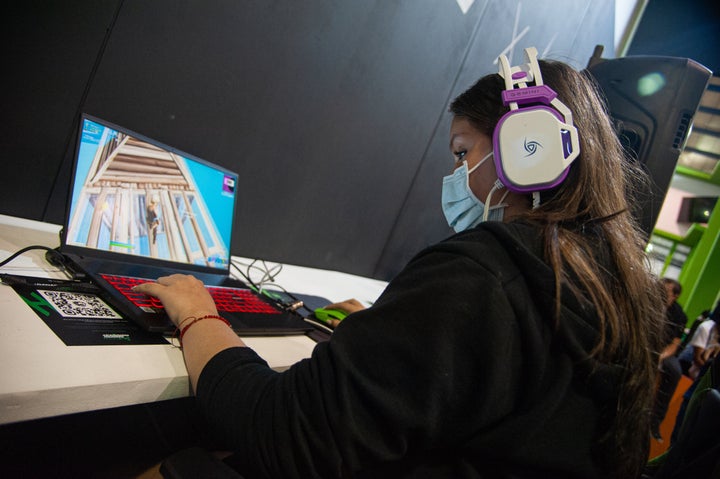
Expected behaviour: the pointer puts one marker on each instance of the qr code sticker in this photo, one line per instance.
(78, 305)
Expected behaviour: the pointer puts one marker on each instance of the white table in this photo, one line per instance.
(42, 377)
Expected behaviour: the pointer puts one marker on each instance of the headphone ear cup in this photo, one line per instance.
(533, 148)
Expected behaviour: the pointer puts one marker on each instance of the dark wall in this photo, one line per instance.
(49, 50)
(333, 113)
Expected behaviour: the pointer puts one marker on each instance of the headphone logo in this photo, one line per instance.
(531, 147)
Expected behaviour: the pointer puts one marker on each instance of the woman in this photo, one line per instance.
(521, 347)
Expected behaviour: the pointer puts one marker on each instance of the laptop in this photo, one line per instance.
(139, 209)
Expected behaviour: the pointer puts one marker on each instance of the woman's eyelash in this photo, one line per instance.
(459, 155)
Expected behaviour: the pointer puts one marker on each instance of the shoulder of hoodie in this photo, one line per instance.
(515, 251)
(491, 242)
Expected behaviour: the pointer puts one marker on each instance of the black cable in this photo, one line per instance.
(262, 290)
(246, 277)
(53, 252)
(256, 288)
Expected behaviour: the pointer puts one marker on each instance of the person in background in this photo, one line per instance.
(525, 345)
(669, 370)
(703, 345)
(695, 342)
(711, 350)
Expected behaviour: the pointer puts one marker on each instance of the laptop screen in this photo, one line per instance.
(135, 196)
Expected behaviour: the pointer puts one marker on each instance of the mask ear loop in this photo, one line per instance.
(470, 170)
(535, 199)
(497, 186)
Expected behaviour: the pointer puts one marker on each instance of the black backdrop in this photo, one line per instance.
(333, 112)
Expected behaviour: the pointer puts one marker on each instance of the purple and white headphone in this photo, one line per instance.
(534, 145)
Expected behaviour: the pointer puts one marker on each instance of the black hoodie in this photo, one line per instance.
(457, 371)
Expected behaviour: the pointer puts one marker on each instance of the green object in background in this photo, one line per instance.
(700, 275)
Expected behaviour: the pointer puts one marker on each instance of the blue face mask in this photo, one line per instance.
(462, 209)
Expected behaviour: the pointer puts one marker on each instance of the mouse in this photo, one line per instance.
(326, 314)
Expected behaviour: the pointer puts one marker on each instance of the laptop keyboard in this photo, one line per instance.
(230, 300)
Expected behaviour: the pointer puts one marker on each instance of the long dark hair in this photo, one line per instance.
(596, 196)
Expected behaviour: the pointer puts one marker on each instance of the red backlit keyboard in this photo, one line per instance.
(231, 300)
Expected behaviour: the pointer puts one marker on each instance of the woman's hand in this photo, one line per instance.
(349, 306)
(182, 296)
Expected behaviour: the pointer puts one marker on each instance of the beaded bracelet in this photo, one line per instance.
(195, 320)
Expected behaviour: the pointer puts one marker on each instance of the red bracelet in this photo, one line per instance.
(195, 320)
(179, 326)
